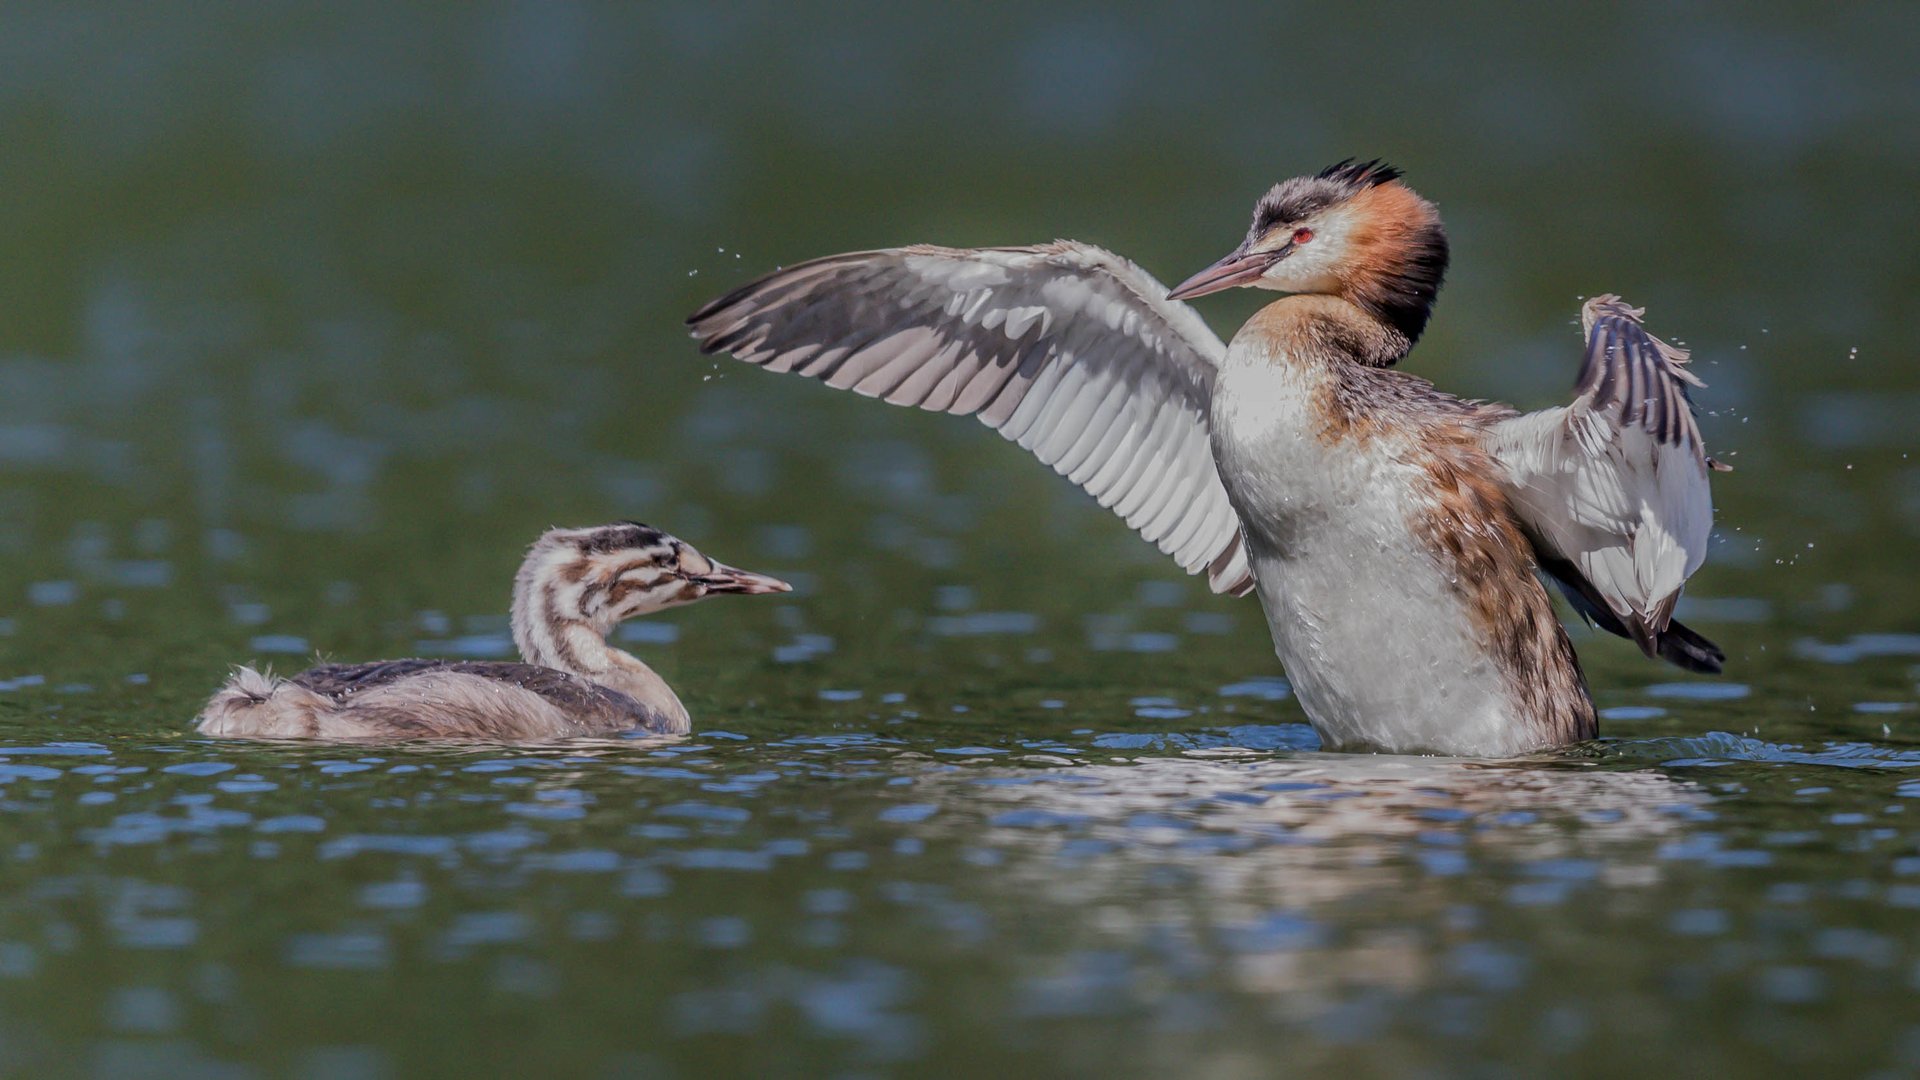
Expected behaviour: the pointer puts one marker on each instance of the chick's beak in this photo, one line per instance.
(1242, 267)
(727, 579)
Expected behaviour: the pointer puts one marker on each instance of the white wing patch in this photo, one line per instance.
(1068, 350)
(1616, 482)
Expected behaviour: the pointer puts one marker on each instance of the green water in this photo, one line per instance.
(310, 318)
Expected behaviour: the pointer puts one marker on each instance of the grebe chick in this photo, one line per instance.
(575, 586)
(1395, 534)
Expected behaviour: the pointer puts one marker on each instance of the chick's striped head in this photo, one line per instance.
(604, 575)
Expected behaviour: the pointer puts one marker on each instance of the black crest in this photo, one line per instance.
(1292, 200)
(1359, 174)
(621, 536)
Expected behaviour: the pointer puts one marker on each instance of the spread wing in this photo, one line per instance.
(1071, 351)
(1613, 487)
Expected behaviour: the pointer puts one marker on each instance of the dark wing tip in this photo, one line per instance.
(725, 321)
(1685, 648)
(1642, 634)
(708, 310)
(713, 307)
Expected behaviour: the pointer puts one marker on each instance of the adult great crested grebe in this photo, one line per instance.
(1392, 531)
(573, 588)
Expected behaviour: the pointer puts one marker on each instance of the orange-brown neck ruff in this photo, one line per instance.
(1397, 259)
(1316, 325)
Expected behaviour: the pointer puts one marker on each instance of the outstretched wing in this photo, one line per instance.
(1071, 351)
(1613, 487)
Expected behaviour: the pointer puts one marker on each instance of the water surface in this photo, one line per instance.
(310, 322)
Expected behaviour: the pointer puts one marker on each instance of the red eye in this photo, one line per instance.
(1301, 236)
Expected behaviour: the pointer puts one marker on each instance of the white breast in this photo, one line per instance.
(1378, 646)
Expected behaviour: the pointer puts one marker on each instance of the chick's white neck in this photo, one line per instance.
(547, 638)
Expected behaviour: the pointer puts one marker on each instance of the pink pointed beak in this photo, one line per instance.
(727, 579)
(1240, 268)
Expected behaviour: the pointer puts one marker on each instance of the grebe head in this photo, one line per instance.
(605, 575)
(1352, 230)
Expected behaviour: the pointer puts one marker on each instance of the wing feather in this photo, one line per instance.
(1105, 420)
(1067, 350)
(1614, 486)
(1109, 436)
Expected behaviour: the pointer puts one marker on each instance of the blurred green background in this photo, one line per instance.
(312, 316)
